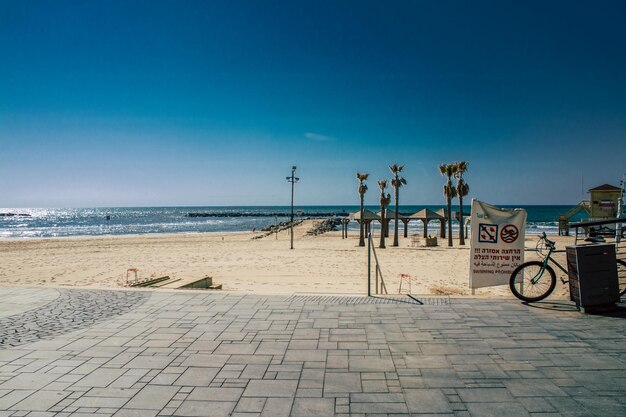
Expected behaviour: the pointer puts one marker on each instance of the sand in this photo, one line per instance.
(322, 264)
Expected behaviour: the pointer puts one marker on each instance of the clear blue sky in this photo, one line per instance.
(122, 103)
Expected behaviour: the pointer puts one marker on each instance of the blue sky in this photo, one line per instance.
(122, 103)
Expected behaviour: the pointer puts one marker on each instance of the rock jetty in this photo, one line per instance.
(327, 225)
(262, 214)
(275, 228)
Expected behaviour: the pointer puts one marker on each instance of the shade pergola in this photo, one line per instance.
(426, 215)
(368, 217)
(402, 217)
(442, 224)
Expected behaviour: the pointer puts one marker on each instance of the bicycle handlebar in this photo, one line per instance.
(549, 243)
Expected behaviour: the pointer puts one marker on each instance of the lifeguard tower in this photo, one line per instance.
(602, 205)
(604, 202)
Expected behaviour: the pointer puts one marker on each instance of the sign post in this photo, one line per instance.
(497, 244)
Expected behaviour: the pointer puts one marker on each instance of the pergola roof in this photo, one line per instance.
(426, 214)
(390, 215)
(605, 187)
(367, 215)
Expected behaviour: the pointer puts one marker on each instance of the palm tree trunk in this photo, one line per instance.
(382, 228)
(461, 232)
(449, 202)
(395, 224)
(361, 225)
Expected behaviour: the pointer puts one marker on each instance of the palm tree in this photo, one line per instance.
(449, 192)
(462, 189)
(362, 189)
(396, 182)
(384, 202)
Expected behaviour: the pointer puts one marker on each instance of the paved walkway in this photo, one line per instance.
(201, 353)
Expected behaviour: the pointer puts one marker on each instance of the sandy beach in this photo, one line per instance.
(325, 263)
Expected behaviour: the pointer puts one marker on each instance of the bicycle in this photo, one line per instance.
(535, 280)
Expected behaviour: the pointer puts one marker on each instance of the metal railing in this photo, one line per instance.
(379, 281)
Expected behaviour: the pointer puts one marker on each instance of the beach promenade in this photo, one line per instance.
(85, 352)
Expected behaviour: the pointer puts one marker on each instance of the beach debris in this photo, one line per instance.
(205, 283)
(149, 282)
(406, 279)
(129, 271)
(326, 225)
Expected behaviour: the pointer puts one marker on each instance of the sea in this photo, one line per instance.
(101, 221)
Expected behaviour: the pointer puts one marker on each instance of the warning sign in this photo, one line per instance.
(509, 233)
(488, 233)
(497, 244)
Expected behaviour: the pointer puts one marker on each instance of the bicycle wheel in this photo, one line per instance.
(531, 281)
(621, 276)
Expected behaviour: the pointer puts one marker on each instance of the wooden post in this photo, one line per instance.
(425, 227)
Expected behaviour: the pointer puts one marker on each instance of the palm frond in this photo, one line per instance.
(449, 191)
(395, 168)
(462, 188)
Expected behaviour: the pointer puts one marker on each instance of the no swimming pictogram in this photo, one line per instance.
(509, 233)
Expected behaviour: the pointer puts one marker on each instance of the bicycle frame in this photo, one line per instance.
(547, 259)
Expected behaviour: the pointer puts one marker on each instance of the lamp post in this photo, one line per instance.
(293, 180)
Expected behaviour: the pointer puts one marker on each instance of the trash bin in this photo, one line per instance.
(592, 271)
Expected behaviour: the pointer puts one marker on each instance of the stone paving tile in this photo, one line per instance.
(277, 407)
(41, 400)
(313, 407)
(195, 376)
(207, 353)
(370, 364)
(342, 382)
(100, 377)
(426, 400)
(508, 409)
(205, 409)
(276, 388)
(153, 397)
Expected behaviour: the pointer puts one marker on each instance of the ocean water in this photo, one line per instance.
(61, 222)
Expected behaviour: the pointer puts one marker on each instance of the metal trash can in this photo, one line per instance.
(592, 271)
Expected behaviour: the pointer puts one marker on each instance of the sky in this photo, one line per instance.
(143, 103)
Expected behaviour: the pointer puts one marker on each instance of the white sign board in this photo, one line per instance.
(497, 244)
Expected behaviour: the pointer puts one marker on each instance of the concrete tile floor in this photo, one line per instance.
(172, 353)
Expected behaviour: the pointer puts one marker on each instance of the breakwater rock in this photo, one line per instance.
(276, 228)
(327, 225)
(262, 214)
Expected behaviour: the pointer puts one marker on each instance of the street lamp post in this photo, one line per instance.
(293, 180)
